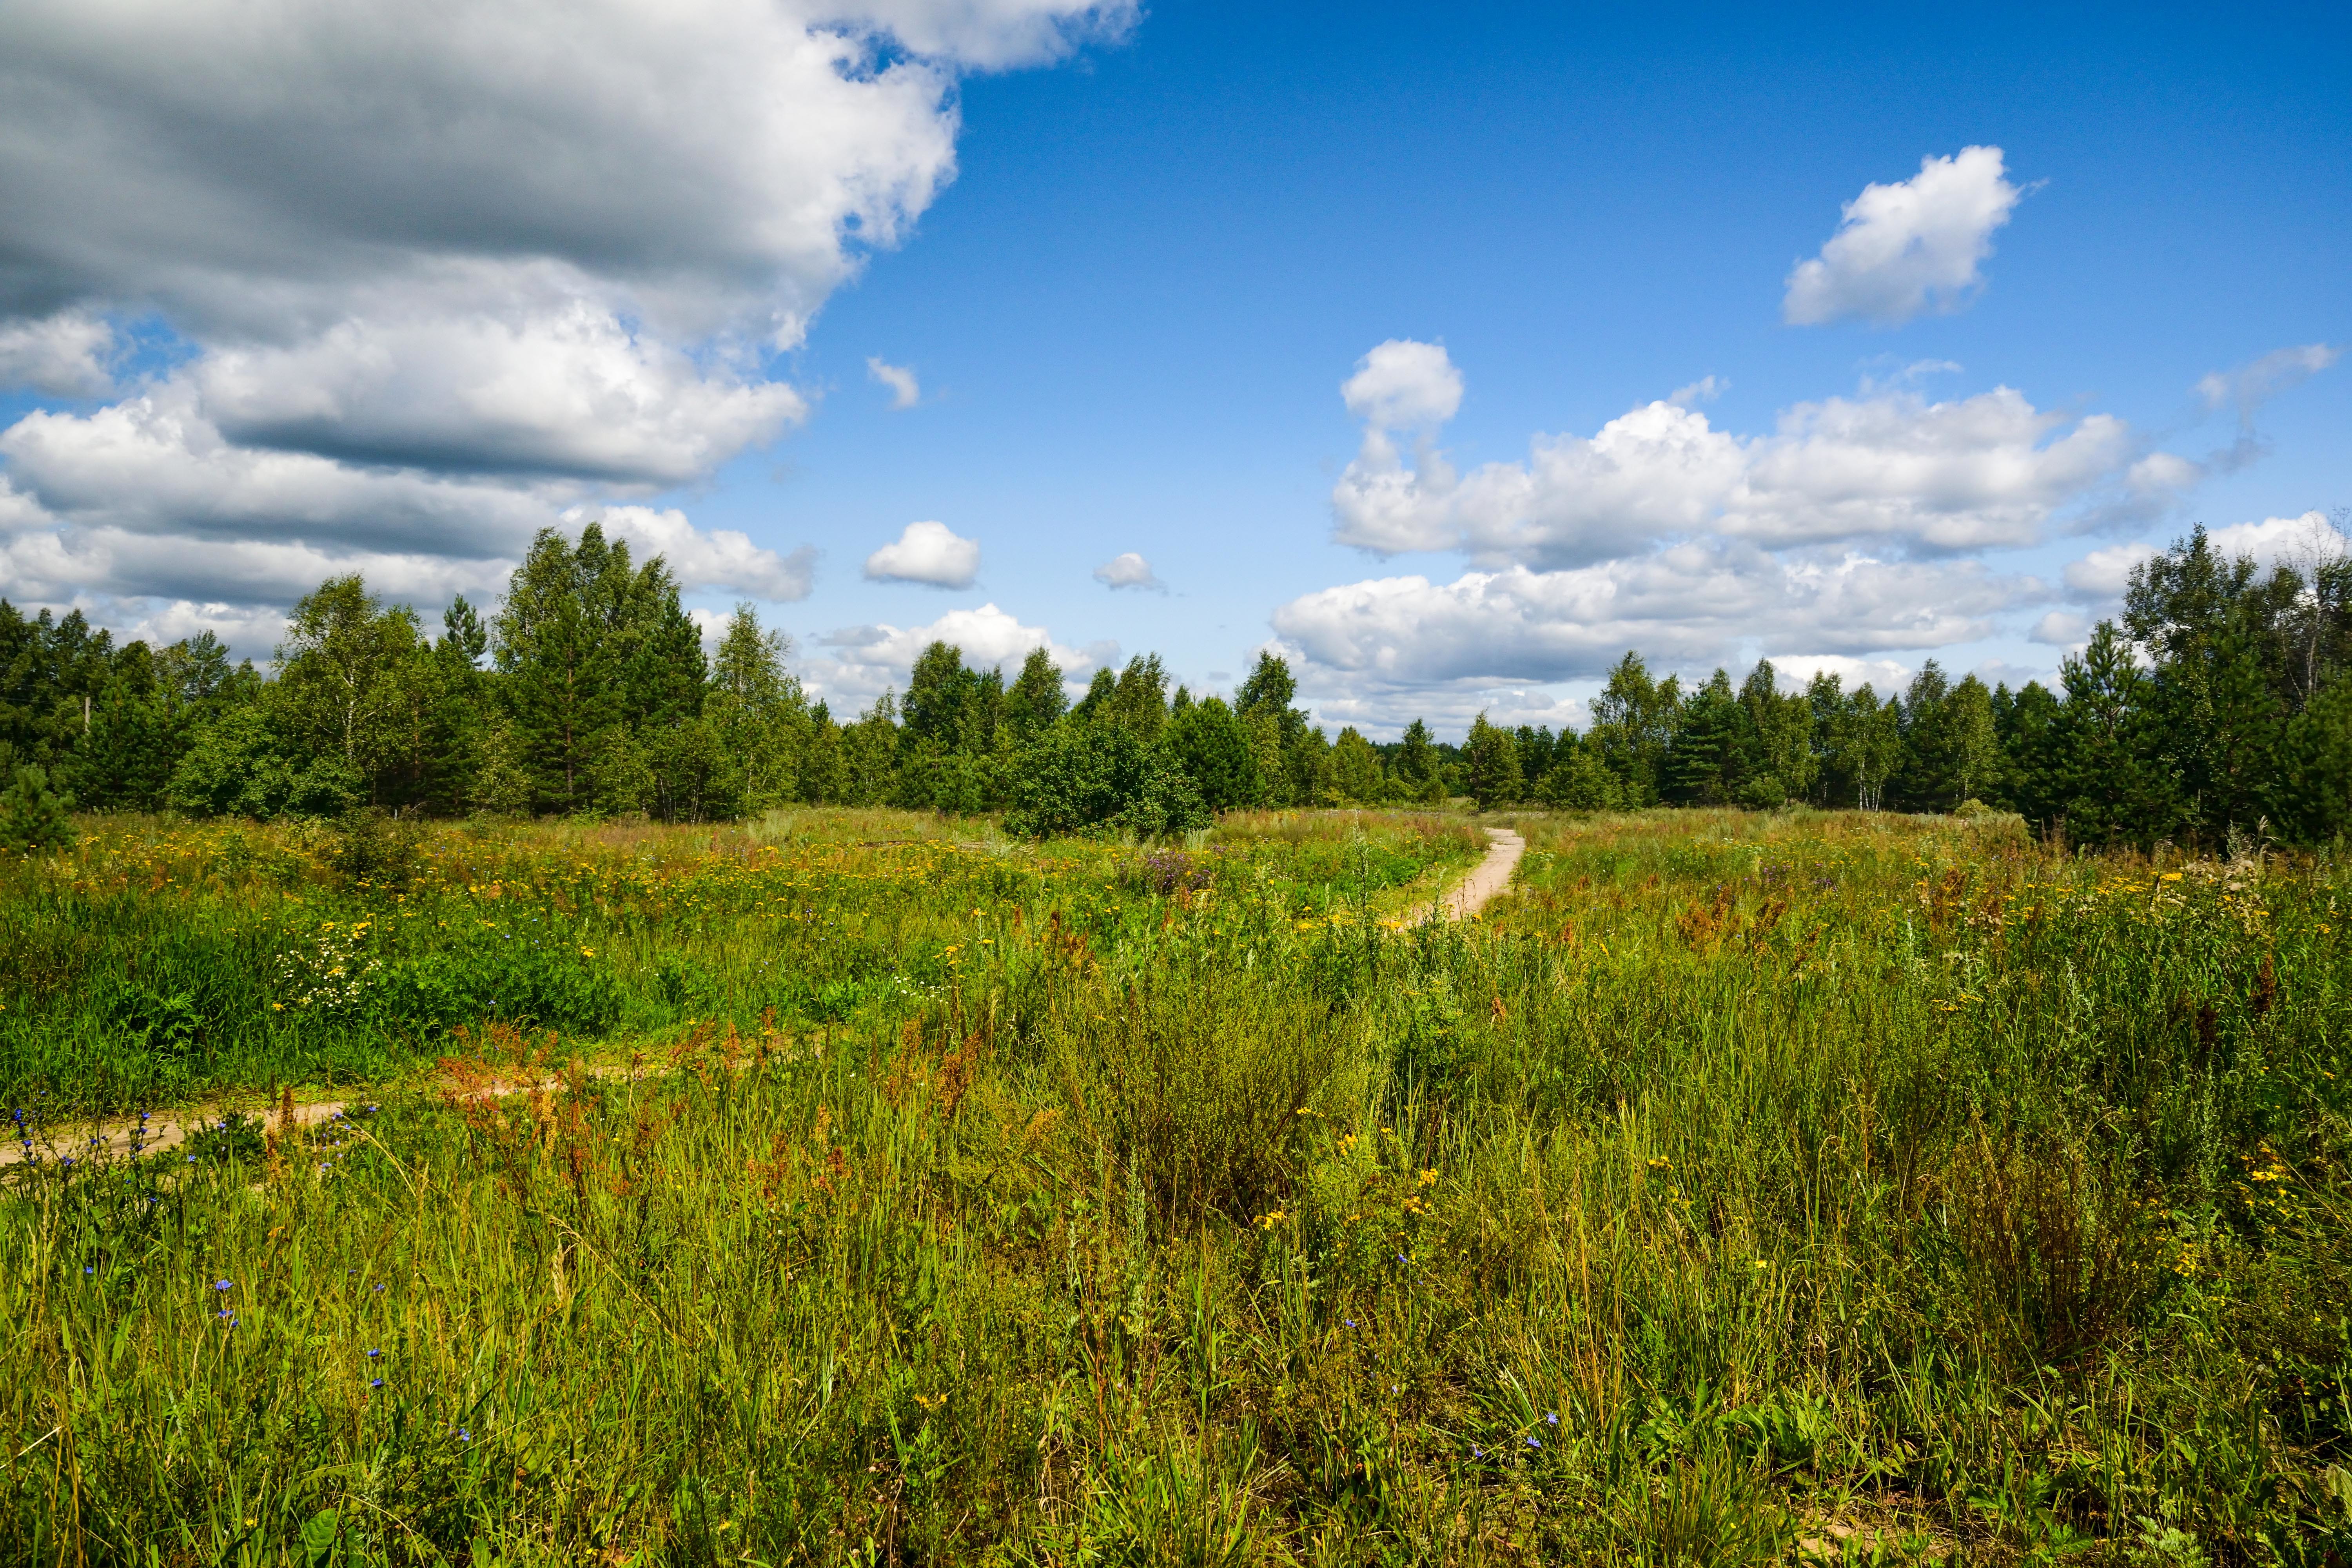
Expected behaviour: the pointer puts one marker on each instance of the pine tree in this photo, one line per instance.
(1706, 765)
(34, 819)
(1577, 780)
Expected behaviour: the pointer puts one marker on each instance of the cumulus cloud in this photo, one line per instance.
(862, 661)
(1848, 537)
(568, 390)
(1961, 474)
(720, 558)
(64, 354)
(926, 552)
(1910, 247)
(2100, 578)
(155, 465)
(905, 390)
(2103, 574)
(1882, 676)
(462, 260)
(2061, 628)
(1403, 385)
(1687, 604)
(1128, 569)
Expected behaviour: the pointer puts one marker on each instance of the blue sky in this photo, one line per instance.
(1168, 239)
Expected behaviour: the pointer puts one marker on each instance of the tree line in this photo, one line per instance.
(2216, 704)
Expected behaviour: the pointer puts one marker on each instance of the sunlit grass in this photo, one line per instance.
(1738, 1186)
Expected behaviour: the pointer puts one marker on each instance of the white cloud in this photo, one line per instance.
(562, 389)
(1128, 569)
(1885, 676)
(1959, 475)
(2101, 577)
(1906, 248)
(905, 390)
(928, 553)
(64, 354)
(2249, 386)
(2061, 628)
(2282, 540)
(439, 270)
(1657, 470)
(719, 558)
(860, 661)
(2103, 574)
(1962, 474)
(1403, 385)
(1686, 606)
(155, 465)
(1706, 389)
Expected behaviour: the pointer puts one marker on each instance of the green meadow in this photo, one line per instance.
(867, 1187)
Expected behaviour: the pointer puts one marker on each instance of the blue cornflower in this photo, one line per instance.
(373, 1355)
(221, 1285)
(1551, 1417)
(464, 1436)
(1476, 1452)
(88, 1270)
(1535, 1443)
(1349, 1322)
(375, 1382)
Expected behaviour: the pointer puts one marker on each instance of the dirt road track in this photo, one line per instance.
(1487, 879)
(1464, 899)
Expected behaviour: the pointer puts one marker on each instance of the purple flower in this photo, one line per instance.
(221, 1285)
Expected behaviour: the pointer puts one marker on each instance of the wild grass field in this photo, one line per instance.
(1744, 1187)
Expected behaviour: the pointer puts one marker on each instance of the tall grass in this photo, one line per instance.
(1741, 1188)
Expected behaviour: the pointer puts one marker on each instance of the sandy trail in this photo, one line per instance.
(116, 1136)
(1487, 879)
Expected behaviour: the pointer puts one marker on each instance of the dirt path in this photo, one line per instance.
(117, 1136)
(1487, 879)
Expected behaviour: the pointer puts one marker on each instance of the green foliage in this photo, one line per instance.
(1740, 1185)
(35, 819)
(1213, 747)
(2211, 713)
(1098, 778)
(1578, 781)
(1491, 761)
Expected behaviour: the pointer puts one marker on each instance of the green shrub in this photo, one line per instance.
(33, 815)
(1098, 779)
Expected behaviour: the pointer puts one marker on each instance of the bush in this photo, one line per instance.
(1081, 778)
(376, 849)
(33, 815)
